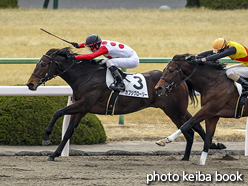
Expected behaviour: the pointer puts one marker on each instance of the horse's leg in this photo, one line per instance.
(74, 108)
(48, 131)
(179, 120)
(189, 136)
(198, 128)
(210, 129)
(74, 121)
(196, 119)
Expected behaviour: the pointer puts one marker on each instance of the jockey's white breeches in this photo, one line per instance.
(241, 71)
(131, 62)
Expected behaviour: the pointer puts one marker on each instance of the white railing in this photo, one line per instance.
(43, 91)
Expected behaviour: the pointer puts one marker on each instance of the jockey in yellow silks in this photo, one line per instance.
(234, 50)
(241, 54)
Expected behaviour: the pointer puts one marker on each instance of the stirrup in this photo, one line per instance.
(118, 86)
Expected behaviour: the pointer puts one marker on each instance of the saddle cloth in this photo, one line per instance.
(239, 88)
(137, 86)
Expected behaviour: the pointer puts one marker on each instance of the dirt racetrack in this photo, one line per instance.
(122, 170)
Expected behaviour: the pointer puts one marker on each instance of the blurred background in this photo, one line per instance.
(105, 4)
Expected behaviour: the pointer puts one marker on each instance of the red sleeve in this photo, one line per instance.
(82, 45)
(102, 50)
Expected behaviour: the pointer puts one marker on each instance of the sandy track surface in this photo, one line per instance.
(120, 170)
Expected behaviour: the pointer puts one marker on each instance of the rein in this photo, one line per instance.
(172, 82)
(46, 77)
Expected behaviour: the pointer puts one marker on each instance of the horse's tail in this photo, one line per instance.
(192, 95)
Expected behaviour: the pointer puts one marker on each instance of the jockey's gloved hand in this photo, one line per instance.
(196, 61)
(71, 57)
(76, 45)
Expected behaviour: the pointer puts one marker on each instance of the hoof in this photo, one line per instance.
(202, 164)
(221, 146)
(45, 142)
(160, 143)
(50, 159)
(217, 146)
(185, 159)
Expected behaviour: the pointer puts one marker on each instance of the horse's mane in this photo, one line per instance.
(62, 52)
(189, 59)
(65, 52)
(180, 57)
(213, 64)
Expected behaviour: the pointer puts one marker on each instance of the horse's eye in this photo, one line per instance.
(43, 64)
(171, 71)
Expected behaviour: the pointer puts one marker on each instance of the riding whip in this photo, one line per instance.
(55, 36)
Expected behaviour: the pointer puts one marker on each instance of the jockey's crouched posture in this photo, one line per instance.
(236, 51)
(117, 55)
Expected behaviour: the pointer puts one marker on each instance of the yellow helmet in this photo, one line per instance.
(219, 45)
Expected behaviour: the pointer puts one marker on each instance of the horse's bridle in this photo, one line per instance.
(46, 77)
(179, 71)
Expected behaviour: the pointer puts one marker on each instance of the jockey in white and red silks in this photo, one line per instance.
(117, 55)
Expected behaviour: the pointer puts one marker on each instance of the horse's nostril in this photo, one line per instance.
(158, 88)
(30, 86)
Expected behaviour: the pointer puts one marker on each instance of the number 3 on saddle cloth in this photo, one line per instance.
(135, 87)
(241, 101)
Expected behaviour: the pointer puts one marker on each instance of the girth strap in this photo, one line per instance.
(111, 102)
(240, 106)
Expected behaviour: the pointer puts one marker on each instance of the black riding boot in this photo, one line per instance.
(118, 83)
(244, 84)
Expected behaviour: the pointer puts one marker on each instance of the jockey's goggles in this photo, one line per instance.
(90, 47)
(215, 51)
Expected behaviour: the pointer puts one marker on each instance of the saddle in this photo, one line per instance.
(135, 84)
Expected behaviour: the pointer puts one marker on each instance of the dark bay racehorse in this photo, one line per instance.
(90, 94)
(218, 93)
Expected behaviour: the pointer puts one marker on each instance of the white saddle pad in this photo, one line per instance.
(239, 88)
(137, 86)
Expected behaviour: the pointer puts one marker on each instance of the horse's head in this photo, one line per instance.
(46, 68)
(172, 75)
